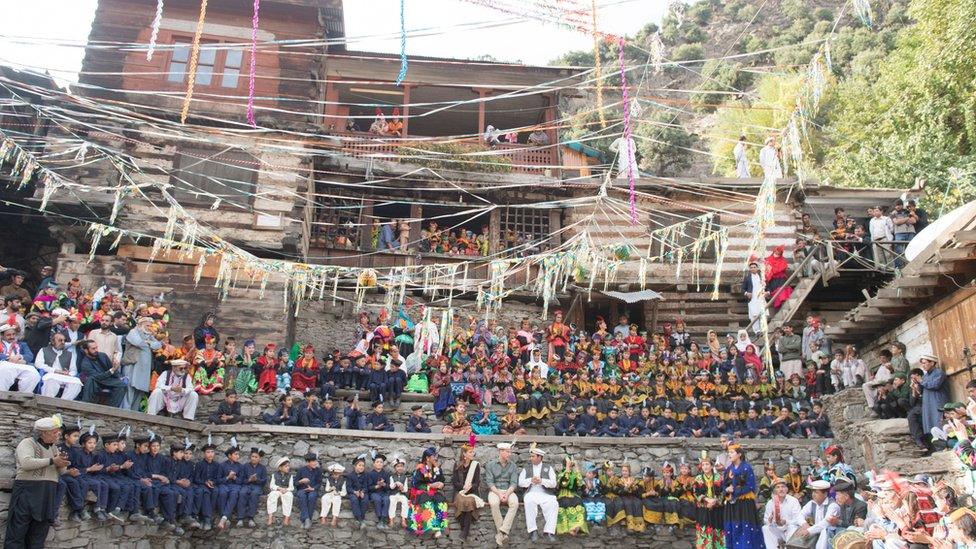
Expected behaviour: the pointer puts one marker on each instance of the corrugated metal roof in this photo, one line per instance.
(634, 297)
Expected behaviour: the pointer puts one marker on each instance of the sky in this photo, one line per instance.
(49, 35)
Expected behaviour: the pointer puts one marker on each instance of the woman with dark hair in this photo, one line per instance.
(742, 524)
(206, 328)
(571, 518)
(836, 467)
(428, 508)
(466, 481)
(708, 503)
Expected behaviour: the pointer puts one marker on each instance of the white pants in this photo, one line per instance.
(790, 367)
(773, 534)
(402, 501)
(503, 525)
(157, 402)
(331, 502)
(25, 375)
(52, 383)
(286, 501)
(550, 508)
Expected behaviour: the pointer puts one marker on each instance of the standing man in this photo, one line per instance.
(790, 347)
(16, 362)
(904, 228)
(539, 481)
(100, 374)
(60, 369)
(107, 340)
(754, 288)
(741, 160)
(502, 478)
(16, 288)
(140, 371)
(33, 501)
(934, 392)
(769, 159)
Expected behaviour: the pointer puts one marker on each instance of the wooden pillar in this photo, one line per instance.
(406, 109)
(555, 226)
(366, 225)
(495, 231)
(416, 224)
(482, 116)
(653, 323)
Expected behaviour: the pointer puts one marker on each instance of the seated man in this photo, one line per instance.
(100, 375)
(174, 391)
(782, 517)
(60, 370)
(16, 362)
(228, 411)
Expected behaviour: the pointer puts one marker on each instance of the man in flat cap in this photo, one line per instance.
(853, 512)
(33, 501)
(821, 513)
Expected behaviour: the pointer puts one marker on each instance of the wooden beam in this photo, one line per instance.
(964, 236)
(898, 303)
(956, 254)
(946, 267)
(901, 293)
(916, 282)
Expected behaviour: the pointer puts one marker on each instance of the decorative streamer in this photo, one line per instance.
(862, 8)
(657, 52)
(403, 42)
(155, 30)
(598, 70)
(194, 59)
(254, 64)
(628, 137)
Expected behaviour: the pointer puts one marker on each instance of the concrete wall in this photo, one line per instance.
(17, 414)
(914, 333)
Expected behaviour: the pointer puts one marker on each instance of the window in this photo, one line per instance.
(201, 176)
(214, 66)
(526, 229)
(337, 222)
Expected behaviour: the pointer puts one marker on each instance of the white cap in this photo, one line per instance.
(6, 327)
(336, 468)
(819, 485)
(47, 424)
(537, 451)
(282, 461)
(929, 357)
(60, 312)
(504, 446)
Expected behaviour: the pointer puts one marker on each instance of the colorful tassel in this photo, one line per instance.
(155, 30)
(254, 65)
(403, 43)
(628, 137)
(194, 59)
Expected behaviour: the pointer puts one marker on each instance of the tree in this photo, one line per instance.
(663, 145)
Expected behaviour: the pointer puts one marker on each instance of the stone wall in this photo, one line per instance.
(914, 333)
(17, 413)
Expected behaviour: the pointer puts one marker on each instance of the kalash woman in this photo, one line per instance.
(708, 502)
(741, 517)
(428, 507)
(572, 515)
(629, 490)
(209, 374)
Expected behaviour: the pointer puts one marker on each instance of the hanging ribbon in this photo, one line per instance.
(628, 137)
(254, 64)
(155, 30)
(598, 70)
(194, 59)
(403, 43)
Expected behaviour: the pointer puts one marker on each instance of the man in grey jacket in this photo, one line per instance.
(790, 347)
(502, 479)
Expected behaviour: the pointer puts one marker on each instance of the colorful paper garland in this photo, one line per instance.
(628, 135)
(157, 20)
(254, 65)
(403, 43)
(194, 59)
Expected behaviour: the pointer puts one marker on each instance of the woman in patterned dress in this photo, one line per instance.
(428, 507)
(592, 492)
(708, 501)
(741, 517)
(572, 514)
(209, 375)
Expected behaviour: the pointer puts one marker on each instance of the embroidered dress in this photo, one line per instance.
(708, 524)
(741, 517)
(428, 508)
(593, 502)
(572, 513)
(246, 382)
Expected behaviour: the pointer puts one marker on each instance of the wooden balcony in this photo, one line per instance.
(524, 158)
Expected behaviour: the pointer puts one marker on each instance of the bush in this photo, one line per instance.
(663, 145)
(688, 52)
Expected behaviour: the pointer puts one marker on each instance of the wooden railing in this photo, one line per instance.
(534, 159)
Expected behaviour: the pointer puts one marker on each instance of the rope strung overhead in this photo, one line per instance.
(254, 64)
(598, 70)
(628, 135)
(403, 43)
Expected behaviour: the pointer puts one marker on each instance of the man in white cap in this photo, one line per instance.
(60, 369)
(782, 517)
(282, 488)
(174, 391)
(334, 486)
(821, 514)
(39, 464)
(502, 478)
(16, 362)
(539, 481)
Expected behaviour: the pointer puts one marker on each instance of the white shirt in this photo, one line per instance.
(818, 515)
(543, 368)
(881, 228)
(790, 513)
(41, 365)
(547, 482)
(626, 151)
(769, 161)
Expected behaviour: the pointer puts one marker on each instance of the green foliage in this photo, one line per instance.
(688, 52)
(454, 156)
(663, 145)
(916, 117)
(755, 120)
(720, 76)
